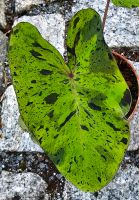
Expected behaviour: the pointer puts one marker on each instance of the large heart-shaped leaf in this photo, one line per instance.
(74, 110)
(126, 3)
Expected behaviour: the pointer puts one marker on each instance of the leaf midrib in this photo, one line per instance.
(77, 105)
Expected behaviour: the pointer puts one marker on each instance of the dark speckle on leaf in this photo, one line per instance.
(75, 159)
(84, 128)
(98, 29)
(59, 155)
(103, 113)
(98, 48)
(46, 72)
(103, 157)
(29, 103)
(16, 31)
(35, 53)
(71, 50)
(87, 112)
(50, 114)
(94, 106)
(47, 129)
(36, 44)
(105, 150)
(70, 167)
(126, 98)
(113, 127)
(99, 179)
(124, 140)
(41, 126)
(15, 74)
(110, 56)
(67, 119)
(108, 141)
(77, 79)
(33, 81)
(77, 38)
(52, 98)
(40, 93)
(56, 136)
(76, 22)
(40, 140)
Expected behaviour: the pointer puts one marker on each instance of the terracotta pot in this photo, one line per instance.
(131, 78)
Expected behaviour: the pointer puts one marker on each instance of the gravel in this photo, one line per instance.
(2, 14)
(3, 48)
(23, 186)
(134, 122)
(136, 65)
(25, 5)
(13, 138)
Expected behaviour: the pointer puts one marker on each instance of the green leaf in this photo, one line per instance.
(75, 110)
(126, 3)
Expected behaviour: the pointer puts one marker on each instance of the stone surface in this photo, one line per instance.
(24, 5)
(136, 65)
(134, 130)
(2, 14)
(23, 186)
(134, 122)
(3, 48)
(51, 26)
(13, 138)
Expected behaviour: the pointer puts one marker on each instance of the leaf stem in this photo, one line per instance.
(105, 14)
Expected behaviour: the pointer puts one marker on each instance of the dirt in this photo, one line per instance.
(131, 53)
(18, 162)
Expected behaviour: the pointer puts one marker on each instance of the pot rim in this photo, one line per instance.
(137, 78)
